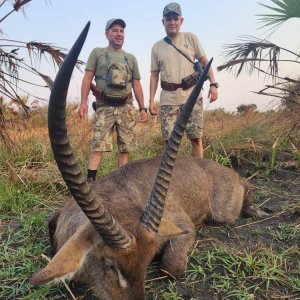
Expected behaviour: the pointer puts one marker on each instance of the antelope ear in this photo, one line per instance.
(167, 228)
(67, 260)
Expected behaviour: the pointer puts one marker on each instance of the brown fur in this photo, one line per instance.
(200, 190)
(52, 229)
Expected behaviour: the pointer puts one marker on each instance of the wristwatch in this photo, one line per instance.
(215, 84)
(143, 108)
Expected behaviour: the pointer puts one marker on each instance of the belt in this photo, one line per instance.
(113, 100)
(170, 86)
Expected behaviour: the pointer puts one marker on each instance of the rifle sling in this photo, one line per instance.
(168, 41)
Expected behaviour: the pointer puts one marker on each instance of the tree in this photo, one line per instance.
(11, 65)
(243, 109)
(13, 68)
(252, 53)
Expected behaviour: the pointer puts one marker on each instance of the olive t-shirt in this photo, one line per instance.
(98, 62)
(173, 66)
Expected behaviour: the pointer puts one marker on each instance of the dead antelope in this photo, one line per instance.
(109, 235)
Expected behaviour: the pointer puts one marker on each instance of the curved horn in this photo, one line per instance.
(110, 230)
(154, 210)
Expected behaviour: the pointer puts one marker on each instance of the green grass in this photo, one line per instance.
(260, 262)
(285, 232)
(21, 244)
(297, 156)
(243, 274)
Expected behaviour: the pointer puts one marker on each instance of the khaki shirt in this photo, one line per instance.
(173, 66)
(98, 64)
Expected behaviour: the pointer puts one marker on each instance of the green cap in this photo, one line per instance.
(114, 21)
(172, 8)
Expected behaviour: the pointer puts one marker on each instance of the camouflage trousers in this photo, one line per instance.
(169, 115)
(109, 119)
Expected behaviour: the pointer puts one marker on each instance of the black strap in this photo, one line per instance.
(197, 65)
(167, 40)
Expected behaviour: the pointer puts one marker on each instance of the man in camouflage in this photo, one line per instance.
(116, 73)
(172, 66)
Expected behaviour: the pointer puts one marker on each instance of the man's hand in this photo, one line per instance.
(143, 116)
(212, 94)
(152, 109)
(83, 109)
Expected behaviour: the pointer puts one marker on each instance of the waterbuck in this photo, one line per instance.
(109, 235)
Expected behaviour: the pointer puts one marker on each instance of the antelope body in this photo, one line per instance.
(109, 235)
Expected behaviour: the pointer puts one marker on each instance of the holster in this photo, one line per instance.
(97, 92)
(190, 80)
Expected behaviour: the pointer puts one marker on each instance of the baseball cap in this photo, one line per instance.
(172, 8)
(114, 21)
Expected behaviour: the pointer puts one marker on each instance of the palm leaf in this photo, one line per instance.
(9, 61)
(250, 53)
(286, 10)
(17, 5)
(12, 64)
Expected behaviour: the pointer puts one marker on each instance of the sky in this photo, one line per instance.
(216, 23)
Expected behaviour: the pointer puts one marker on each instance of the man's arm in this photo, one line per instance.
(139, 96)
(85, 89)
(153, 87)
(213, 91)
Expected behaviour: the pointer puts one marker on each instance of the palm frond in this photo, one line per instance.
(287, 91)
(13, 65)
(286, 10)
(19, 3)
(37, 50)
(46, 78)
(9, 61)
(250, 53)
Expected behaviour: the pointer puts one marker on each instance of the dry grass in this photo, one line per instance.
(225, 133)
